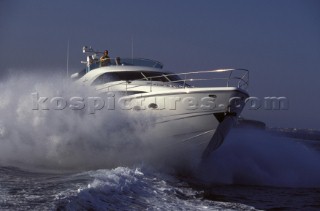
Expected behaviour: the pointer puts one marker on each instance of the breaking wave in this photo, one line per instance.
(138, 189)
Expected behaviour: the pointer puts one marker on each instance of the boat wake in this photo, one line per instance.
(256, 157)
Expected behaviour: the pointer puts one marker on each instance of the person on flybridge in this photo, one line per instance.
(105, 59)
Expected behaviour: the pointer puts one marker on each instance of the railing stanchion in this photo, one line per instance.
(229, 78)
(126, 87)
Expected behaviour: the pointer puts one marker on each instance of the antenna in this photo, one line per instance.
(132, 47)
(68, 60)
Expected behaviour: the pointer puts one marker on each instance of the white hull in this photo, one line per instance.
(181, 126)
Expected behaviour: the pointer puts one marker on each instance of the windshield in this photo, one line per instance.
(95, 63)
(134, 75)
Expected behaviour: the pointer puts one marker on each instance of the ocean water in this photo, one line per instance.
(67, 160)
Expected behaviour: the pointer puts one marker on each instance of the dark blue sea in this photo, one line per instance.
(244, 174)
(66, 160)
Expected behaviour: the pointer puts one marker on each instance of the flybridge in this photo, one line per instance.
(93, 60)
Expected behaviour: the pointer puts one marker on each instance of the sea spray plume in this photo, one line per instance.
(77, 139)
(254, 157)
(62, 138)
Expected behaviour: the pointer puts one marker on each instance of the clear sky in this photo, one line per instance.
(277, 40)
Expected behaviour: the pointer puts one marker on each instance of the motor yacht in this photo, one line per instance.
(195, 108)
